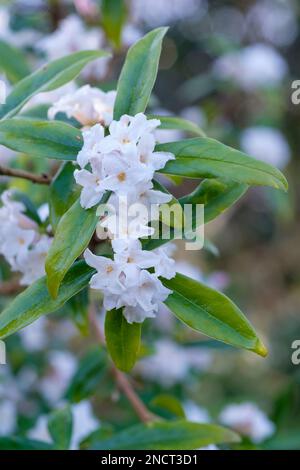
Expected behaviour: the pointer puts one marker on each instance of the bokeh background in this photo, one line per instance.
(229, 67)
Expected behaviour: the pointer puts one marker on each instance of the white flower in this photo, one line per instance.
(16, 243)
(266, 144)
(91, 140)
(32, 262)
(254, 66)
(8, 417)
(2, 92)
(72, 36)
(34, 337)
(108, 273)
(195, 413)
(247, 419)
(84, 422)
(92, 184)
(166, 266)
(87, 105)
(62, 368)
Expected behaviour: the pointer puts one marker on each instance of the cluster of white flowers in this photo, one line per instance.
(23, 247)
(248, 420)
(258, 65)
(72, 36)
(88, 105)
(124, 163)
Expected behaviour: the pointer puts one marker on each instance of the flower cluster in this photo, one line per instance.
(23, 247)
(124, 162)
(88, 105)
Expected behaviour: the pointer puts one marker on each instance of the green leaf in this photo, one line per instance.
(22, 443)
(55, 139)
(114, 14)
(139, 74)
(35, 301)
(208, 158)
(72, 236)
(122, 339)
(177, 123)
(60, 426)
(212, 313)
(63, 193)
(168, 403)
(168, 435)
(12, 63)
(216, 195)
(49, 77)
(88, 375)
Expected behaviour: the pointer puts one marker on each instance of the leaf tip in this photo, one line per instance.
(261, 349)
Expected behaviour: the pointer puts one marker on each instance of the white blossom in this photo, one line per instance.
(258, 65)
(8, 417)
(87, 105)
(248, 420)
(266, 144)
(171, 363)
(72, 36)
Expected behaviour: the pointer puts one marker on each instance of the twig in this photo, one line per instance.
(122, 381)
(40, 179)
(10, 287)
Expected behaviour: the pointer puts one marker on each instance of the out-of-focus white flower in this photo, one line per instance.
(34, 337)
(195, 413)
(50, 97)
(216, 280)
(194, 114)
(161, 12)
(130, 34)
(2, 92)
(258, 65)
(88, 105)
(274, 21)
(62, 368)
(266, 144)
(84, 422)
(20, 242)
(248, 420)
(8, 417)
(171, 363)
(22, 38)
(72, 36)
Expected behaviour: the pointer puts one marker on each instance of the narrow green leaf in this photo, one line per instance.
(177, 123)
(44, 139)
(208, 158)
(63, 193)
(47, 78)
(72, 236)
(114, 14)
(88, 375)
(13, 62)
(35, 301)
(22, 443)
(169, 404)
(122, 339)
(139, 74)
(60, 426)
(167, 435)
(212, 313)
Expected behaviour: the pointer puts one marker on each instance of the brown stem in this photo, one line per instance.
(10, 287)
(40, 179)
(121, 379)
